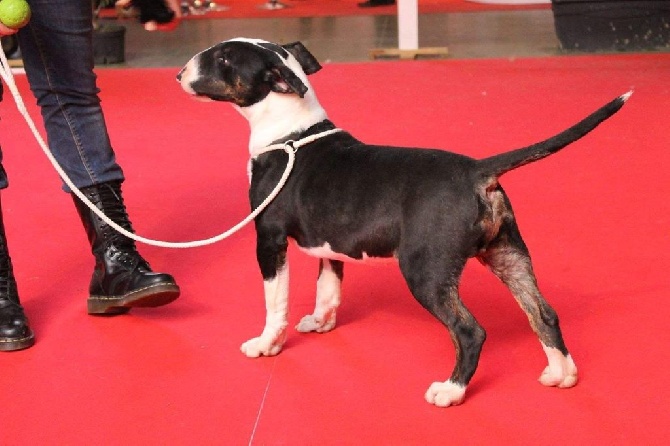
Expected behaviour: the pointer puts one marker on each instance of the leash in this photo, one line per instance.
(290, 147)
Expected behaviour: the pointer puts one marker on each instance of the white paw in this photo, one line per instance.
(561, 372)
(262, 346)
(445, 394)
(311, 323)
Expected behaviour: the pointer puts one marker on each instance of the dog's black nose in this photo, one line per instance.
(179, 75)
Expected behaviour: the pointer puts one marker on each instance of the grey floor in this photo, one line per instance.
(349, 39)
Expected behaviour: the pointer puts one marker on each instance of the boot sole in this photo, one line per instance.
(9, 345)
(153, 296)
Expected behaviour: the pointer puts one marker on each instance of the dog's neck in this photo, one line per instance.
(279, 115)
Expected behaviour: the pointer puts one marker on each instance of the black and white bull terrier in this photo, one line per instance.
(430, 210)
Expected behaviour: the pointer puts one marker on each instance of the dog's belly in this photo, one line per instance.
(326, 252)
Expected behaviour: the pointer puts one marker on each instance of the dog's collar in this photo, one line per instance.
(293, 145)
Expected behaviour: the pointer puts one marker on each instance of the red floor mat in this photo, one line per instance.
(320, 8)
(595, 217)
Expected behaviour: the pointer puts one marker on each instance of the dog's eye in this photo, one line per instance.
(223, 61)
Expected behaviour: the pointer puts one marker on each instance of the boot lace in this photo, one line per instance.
(8, 294)
(123, 247)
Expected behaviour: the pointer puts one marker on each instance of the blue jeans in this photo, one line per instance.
(57, 54)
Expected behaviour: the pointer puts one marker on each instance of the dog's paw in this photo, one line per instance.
(561, 372)
(311, 323)
(445, 394)
(261, 346)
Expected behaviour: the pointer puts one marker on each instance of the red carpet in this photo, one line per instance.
(595, 217)
(320, 8)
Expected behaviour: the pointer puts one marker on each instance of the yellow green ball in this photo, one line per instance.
(14, 13)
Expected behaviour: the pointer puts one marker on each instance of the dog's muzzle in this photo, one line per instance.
(186, 76)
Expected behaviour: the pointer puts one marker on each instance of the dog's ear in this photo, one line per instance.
(283, 80)
(307, 61)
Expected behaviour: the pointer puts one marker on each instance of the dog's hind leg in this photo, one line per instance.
(271, 254)
(435, 285)
(328, 294)
(507, 256)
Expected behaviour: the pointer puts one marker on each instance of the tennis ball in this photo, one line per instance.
(14, 13)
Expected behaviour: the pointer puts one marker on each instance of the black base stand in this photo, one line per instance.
(612, 25)
(109, 44)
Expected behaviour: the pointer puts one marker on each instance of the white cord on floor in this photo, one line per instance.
(289, 147)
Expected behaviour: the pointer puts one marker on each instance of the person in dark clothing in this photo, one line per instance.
(57, 51)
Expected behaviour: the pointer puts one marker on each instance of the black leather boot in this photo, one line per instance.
(15, 334)
(122, 279)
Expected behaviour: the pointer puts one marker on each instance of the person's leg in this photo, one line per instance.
(58, 58)
(155, 15)
(15, 334)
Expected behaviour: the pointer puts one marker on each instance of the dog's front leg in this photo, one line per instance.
(274, 268)
(328, 293)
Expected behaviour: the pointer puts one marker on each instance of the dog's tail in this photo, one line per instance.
(497, 165)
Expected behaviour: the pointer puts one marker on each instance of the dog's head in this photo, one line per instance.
(245, 71)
